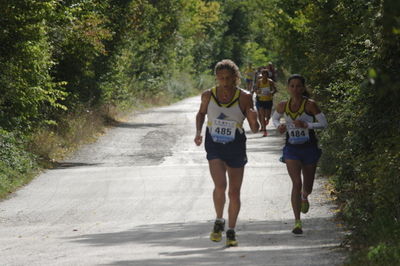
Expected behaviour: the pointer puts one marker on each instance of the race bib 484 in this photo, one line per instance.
(297, 135)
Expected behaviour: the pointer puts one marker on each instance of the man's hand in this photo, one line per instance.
(252, 118)
(198, 140)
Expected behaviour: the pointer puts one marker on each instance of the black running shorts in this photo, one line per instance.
(232, 153)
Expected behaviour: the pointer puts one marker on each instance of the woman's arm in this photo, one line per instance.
(276, 117)
(312, 108)
(257, 88)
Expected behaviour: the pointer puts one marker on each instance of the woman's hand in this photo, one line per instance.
(282, 128)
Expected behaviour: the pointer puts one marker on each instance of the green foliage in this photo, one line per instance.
(181, 85)
(236, 35)
(15, 162)
(28, 93)
(78, 30)
(57, 55)
(384, 254)
(199, 36)
(256, 54)
(348, 50)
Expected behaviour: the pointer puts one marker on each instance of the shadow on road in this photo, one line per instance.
(172, 111)
(65, 165)
(261, 243)
(138, 125)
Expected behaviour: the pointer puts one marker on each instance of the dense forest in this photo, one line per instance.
(65, 64)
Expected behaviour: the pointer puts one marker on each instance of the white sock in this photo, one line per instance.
(303, 197)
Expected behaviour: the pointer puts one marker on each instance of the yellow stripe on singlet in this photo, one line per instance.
(230, 103)
(298, 113)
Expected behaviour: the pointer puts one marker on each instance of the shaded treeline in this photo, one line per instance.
(59, 54)
(56, 55)
(349, 51)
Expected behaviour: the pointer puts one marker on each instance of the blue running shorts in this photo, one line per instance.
(264, 104)
(306, 154)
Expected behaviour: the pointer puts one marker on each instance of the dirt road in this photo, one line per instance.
(141, 195)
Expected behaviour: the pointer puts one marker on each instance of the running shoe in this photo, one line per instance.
(297, 230)
(305, 206)
(265, 133)
(216, 234)
(231, 238)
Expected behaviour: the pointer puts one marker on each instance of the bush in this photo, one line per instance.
(15, 163)
(384, 254)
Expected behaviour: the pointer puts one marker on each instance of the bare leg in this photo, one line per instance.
(249, 85)
(261, 117)
(294, 170)
(308, 178)
(267, 116)
(235, 184)
(218, 174)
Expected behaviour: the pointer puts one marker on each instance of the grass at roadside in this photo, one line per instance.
(24, 155)
(17, 166)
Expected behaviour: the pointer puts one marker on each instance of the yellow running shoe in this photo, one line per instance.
(297, 230)
(216, 234)
(305, 206)
(231, 238)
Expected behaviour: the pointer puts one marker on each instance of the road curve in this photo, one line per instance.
(141, 195)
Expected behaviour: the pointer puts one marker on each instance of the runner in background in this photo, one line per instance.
(249, 76)
(272, 71)
(226, 107)
(300, 153)
(257, 77)
(265, 90)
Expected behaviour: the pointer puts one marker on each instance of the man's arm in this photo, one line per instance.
(250, 113)
(200, 117)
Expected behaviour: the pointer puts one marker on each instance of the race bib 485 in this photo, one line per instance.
(223, 131)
